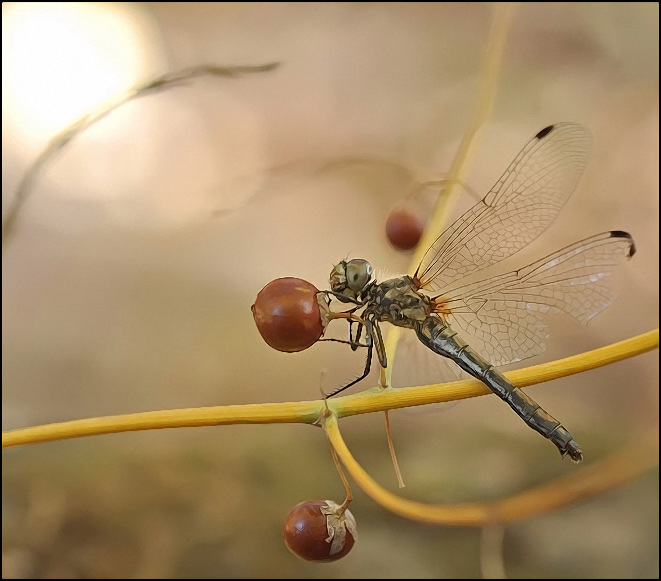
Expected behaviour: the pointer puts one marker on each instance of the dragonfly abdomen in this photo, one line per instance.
(440, 338)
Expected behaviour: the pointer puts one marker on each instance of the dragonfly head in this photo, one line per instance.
(349, 278)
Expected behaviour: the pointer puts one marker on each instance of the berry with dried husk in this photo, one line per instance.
(320, 530)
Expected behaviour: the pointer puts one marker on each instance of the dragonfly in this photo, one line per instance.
(442, 302)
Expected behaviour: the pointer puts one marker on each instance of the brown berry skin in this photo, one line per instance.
(306, 532)
(287, 314)
(404, 229)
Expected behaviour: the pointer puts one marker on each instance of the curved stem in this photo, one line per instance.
(628, 463)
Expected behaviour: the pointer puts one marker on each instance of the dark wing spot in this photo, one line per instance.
(544, 132)
(622, 234)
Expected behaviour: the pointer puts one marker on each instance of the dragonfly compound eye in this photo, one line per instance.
(359, 274)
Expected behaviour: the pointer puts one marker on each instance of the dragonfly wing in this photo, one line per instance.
(521, 205)
(416, 364)
(506, 313)
(503, 336)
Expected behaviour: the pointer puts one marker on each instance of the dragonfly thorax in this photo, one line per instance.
(397, 301)
(351, 278)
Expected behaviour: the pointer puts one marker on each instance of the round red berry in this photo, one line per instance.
(288, 314)
(404, 229)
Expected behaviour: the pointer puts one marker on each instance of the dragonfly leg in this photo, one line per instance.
(353, 344)
(359, 332)
(341, 298)
(369, 334)
(379, 346)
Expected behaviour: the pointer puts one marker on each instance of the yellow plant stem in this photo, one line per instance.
(616, 469)
(264, 413)
(372, 400)
(378, 399)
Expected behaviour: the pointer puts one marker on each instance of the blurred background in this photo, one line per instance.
(128, 284)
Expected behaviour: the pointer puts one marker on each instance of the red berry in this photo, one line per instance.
(288, 314)
(404, 229)
(319, 530)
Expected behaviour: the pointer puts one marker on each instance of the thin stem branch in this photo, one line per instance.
(371, 400)
(62, 139)
(492, 562)
(348, 498)
(393, 454)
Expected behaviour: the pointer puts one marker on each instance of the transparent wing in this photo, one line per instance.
(505, 313)
(415, 364)
(523, 204)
